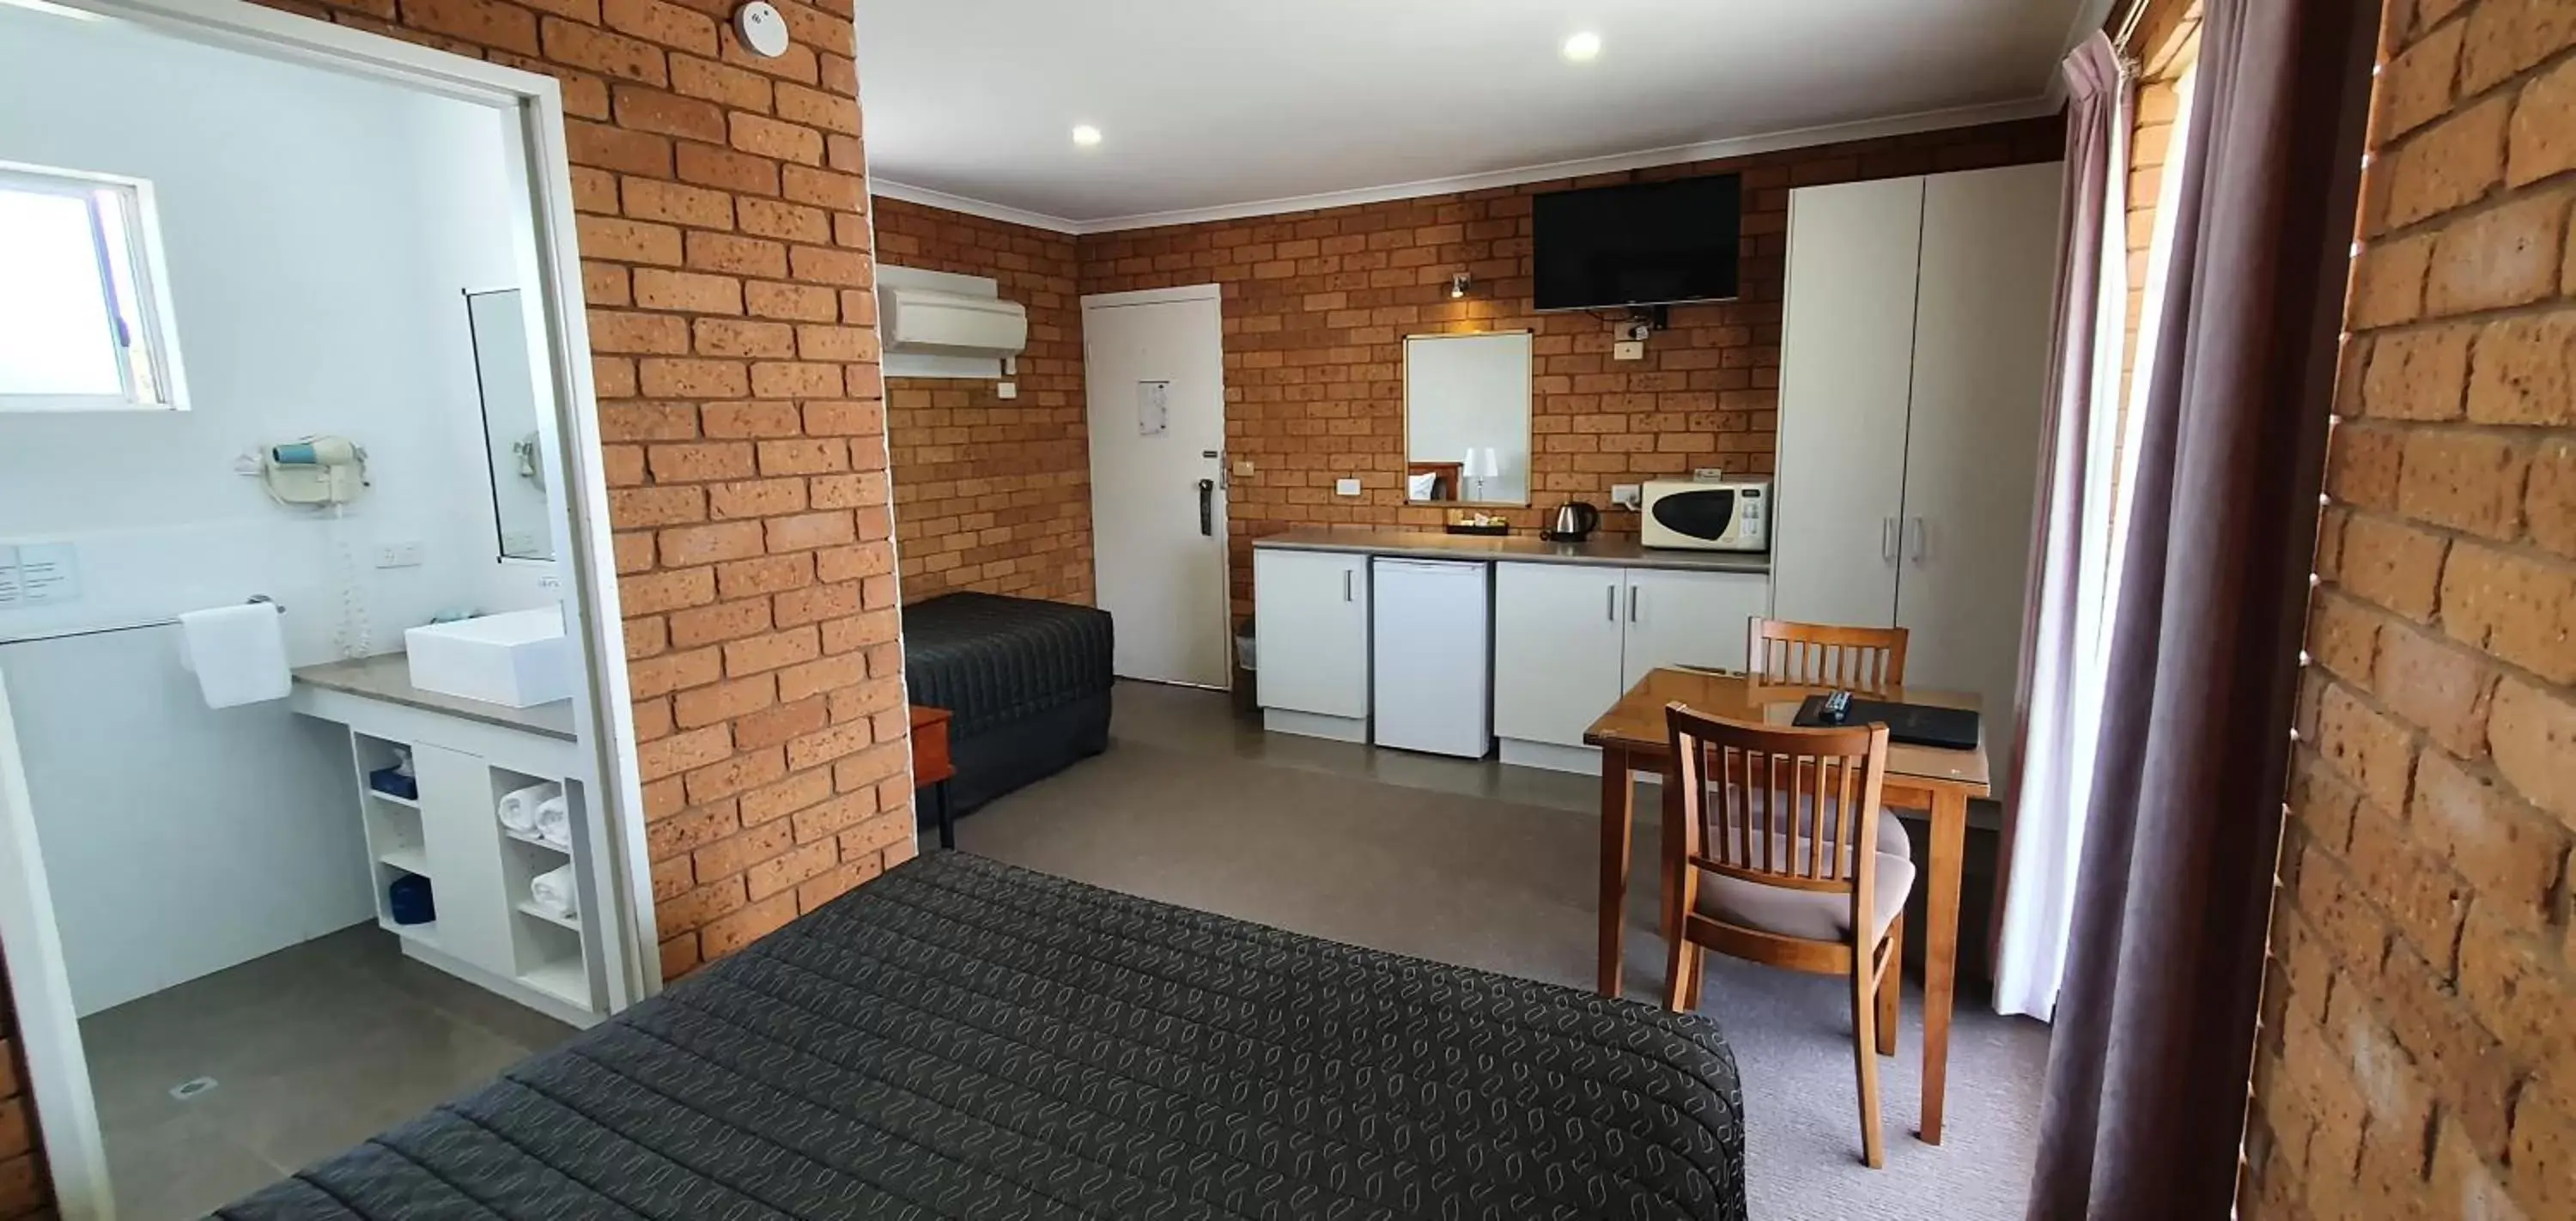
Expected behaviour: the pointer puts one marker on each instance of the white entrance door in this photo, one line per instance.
(1154, 363)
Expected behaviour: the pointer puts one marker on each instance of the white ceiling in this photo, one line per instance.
(1229, 107)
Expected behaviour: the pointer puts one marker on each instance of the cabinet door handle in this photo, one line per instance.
(1610, 605)
(1915, 527)
(1632, 604)
(1887, 539)
(1348, 579)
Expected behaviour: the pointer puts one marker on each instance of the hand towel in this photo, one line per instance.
(519, 809)
(553, 891)
(238, 653)
(554, 820)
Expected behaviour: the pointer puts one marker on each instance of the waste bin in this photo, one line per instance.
(1247, 695)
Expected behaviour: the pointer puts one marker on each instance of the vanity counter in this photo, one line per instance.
(1436, 545)
(387, 677)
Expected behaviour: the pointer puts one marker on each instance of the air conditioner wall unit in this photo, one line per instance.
(933, 323)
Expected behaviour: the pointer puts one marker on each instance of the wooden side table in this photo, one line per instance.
(931, 767)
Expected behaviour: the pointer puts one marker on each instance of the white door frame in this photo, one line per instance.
(48, 1025)
(1225, 456)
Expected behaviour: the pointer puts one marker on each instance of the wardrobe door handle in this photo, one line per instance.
(1915, 526)
(1887, 539)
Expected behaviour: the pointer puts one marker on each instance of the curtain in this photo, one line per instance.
(2062, 663)
(2153, 1043)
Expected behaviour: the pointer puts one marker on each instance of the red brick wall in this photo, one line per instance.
(1317, 305)
(2418, 1056)
(24, 1193)
(993, 494)
(728, 268)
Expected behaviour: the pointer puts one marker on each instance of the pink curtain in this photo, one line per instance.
(2060, 701)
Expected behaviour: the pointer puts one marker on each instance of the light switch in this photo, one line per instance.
(1008, 390)
(1346, 487)
(1243, 468)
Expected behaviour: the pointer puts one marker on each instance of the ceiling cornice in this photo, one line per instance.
(2046, 103)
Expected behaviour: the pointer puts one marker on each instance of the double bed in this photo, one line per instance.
(963, 1038)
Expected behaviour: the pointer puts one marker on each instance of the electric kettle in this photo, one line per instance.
(1570, 522)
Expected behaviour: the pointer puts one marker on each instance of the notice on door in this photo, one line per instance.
(1153, 408)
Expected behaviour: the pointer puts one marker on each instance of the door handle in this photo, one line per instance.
(1610, 606)
(1915, 527)
(1887, 539)
(1348, 577)
(1207, 501)
(1632, 604)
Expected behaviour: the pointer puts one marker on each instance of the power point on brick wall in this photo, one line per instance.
(1628, 349)
(1346, 487)
(1008, 390)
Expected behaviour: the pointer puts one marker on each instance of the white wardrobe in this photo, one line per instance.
(1913, 359)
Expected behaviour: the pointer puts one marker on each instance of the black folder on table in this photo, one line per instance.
(1912, 724)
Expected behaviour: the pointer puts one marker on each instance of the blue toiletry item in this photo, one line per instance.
(409, 900)
(391, 782)
(293, 453)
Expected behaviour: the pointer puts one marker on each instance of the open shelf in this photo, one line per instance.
(529, 908)
(381, 795)
(534, 842)
(425, 932)
(406, 857)
(562, 979)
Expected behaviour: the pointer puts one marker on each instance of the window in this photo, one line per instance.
(83, 326)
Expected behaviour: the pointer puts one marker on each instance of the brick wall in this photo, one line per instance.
(2418, 1057)
(993, 494)
(2165, 45)
(1317, 305)
(726, 260)
(24, 1193)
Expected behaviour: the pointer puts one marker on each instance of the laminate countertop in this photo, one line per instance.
(387, 676)
(1517, 548)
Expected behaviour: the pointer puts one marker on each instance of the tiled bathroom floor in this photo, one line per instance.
(312, 1049)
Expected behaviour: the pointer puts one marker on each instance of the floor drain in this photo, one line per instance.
(191, 1087)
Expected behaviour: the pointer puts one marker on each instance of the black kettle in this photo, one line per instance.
(1570, 522)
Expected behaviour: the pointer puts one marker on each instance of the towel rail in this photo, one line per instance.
(173, 621)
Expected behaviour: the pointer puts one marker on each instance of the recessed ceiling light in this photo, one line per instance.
(1086, 135)
(1582, 47)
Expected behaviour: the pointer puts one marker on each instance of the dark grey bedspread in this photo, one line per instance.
(962, 1038)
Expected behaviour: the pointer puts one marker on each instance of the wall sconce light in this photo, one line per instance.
(1458, 285)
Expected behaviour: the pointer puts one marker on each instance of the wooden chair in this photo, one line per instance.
(1767, 869)
(1823, 655)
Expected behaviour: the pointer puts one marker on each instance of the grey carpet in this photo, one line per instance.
(1297, 835)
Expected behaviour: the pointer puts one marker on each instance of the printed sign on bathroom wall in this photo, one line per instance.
(33, 574)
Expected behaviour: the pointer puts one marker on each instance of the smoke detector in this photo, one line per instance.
(762, 28)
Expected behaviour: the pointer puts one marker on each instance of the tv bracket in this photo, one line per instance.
(1643, 321)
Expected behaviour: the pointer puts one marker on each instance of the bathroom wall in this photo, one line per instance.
(320, 232)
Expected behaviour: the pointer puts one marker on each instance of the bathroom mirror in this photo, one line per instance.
(508, 381)
(1467, 418)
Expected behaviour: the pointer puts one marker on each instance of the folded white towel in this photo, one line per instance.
(554, 821)
(519, 809)
(553, 890)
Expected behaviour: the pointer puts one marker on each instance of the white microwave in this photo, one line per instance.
(1720, 515)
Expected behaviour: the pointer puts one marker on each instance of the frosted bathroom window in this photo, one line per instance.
(82, 324)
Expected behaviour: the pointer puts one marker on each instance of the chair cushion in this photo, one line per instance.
(1812, 914)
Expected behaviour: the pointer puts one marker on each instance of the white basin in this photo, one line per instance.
(518, 659)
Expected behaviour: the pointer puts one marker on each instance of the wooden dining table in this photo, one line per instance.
(1632, 738)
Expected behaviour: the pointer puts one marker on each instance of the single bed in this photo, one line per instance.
(1026, 681)
(962, 1038)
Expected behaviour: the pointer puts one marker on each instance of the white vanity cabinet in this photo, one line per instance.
(1570, 639)
(465, 757)
(1312, 615)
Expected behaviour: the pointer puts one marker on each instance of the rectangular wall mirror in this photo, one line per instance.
(508, 381)
(1467, 418)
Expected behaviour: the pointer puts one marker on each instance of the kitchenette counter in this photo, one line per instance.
(1518, 548)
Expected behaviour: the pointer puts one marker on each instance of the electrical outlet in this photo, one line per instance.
(1628, 349)
(1639, 331)
(1707, 474)
(1346, 487)
(401, 555)
(1627, 495)
(1008, 390)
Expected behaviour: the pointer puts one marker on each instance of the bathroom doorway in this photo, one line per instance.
(318, 799)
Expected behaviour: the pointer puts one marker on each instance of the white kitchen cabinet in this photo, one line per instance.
(1557, 637)
(1312, 616)
(1679, 618)
(1432, 670)
(1569, 640)
(1913, 369)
